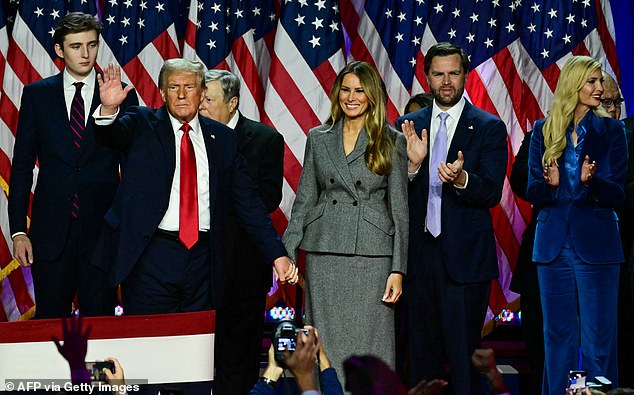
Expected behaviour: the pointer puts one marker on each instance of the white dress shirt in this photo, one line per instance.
(451, 122)
(170, 221)
(87, 91)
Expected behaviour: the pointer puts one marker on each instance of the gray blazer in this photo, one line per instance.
(343, 208)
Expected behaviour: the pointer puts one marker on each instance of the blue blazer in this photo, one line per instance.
(468, 244)
(141, 201)
(586, 212)
(44, 135)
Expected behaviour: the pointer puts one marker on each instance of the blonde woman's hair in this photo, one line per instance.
(574, 75)
(378, 153)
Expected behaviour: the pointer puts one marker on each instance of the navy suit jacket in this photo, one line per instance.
(141, 201)
(468, 244)
(93, 172)
(586, 212)
(263, 149)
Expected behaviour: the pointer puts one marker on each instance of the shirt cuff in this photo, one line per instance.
(17, 234)
(104, 120)
(466, 181)
(413, 175)
(310, 392)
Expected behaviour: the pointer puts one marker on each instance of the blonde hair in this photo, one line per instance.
(573, 76)
(378, 153)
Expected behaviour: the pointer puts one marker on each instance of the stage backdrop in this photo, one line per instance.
(287, 53)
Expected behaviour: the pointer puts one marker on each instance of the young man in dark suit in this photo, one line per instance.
(166, 230)
(452, 256)
(240, 319)
(77, 178)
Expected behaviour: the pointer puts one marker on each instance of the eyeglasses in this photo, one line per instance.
(607, 103)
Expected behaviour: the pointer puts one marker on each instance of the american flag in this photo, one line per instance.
(29, 57)
(139, 36)
(288, 52)
(516, 49)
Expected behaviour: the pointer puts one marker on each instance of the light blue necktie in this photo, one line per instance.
(439, 154)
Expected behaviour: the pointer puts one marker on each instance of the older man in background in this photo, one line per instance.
(241, 317)
(611, 101)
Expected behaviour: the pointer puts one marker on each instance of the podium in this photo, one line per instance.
(152, 349)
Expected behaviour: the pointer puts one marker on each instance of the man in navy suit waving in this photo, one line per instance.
(77, 178)
(165, 236)
(457, 172)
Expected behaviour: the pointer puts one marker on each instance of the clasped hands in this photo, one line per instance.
(285, 270)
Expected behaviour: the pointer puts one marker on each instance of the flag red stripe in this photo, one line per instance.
(9, 113)
(20, 64)
(290, 93)
(551, 75)
(607, 42)
(249, 71)
(5, 166)
(165, 45)
(505, 234)
(143, 83)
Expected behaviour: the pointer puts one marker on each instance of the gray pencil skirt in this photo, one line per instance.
(343, 301)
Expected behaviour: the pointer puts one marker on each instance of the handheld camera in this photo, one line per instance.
(285, 338)
(96, 370)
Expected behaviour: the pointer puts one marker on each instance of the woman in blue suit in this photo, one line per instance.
(577, 171)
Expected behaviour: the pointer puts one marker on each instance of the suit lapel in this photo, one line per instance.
(359, 147)
(210, 145)
(60, 125)
(420, 123)
(88, 140)
(465, 130)
(165, 134)
(333, 141)
(245, 135)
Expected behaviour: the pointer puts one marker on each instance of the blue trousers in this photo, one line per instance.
(579, 302)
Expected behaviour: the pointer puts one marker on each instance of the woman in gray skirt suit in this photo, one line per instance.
(351, 217)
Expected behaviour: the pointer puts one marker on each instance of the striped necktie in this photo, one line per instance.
(77, 125)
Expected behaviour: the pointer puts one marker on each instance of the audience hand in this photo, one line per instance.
(433, 387)
(75, 347)
(324, 362)
(273, 370)
(302, 361)
(117, 378)
(484, 360)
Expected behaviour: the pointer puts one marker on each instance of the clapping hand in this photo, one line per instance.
(587, 170)
(551, 173)
(417, 147)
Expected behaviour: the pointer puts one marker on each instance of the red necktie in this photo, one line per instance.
(188, 214)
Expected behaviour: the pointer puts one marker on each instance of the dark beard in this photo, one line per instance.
(447, 103)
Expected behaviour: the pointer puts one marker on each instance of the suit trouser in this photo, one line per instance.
(445, 321)
(579, 302)
(56, 282)
(239, 328)
(169, 278)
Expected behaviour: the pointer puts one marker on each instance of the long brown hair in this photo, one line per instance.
(378, 153)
